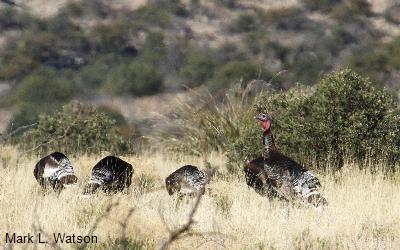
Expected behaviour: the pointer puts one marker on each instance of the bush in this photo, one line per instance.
(153, 48)
(287, 18)
(392, 13)
(345, 118)
(75, 129)
(321, 5)
(234, 72)
(44, 86)
(151, 14)
(199, 68)
(244, 23)
(112, 37)
(10, 18)
(137, 78)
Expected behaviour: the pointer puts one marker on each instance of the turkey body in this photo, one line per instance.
(291, 180)
(186, 180)
(256, 178)
(55, 171)
(111, 174)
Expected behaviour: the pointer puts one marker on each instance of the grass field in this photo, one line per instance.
(363, 211)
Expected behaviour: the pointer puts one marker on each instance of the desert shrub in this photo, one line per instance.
(44, 86)
(351, 10)
(175, 7)
(377, 60)
(86, 9)
(10, 18)
(287, 18)
(76, 128)
(152, 14)
(321, 5)
(111, 37)
(136, 78)
(306, 67)
(244, 23)
(392, 13)
(198, 68)
(45, 46)
(153, 48)
(227, 3)
(236, 71)
(346, 117)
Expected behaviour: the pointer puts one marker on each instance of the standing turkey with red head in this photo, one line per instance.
(287, 177)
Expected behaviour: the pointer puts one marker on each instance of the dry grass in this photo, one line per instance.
(363, 209)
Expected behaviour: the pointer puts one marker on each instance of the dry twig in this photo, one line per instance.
(174, 235)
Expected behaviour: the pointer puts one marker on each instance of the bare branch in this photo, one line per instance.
(97, 222)
(174, 235)
(17, 130)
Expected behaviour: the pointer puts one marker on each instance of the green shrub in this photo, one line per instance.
(111, 37)
(392, 13)
(153, 49)
(198, 68)
(287, 18)
(10, 18)
(86, 9)
(244, 23)
(75, 129)
(44, 86)
(345, 118)
(137, 78)
(234, 72)
(351, 10)
(151, 14)
(227, 3)
(321, 5)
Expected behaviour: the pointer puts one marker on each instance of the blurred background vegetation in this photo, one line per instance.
(187, 71)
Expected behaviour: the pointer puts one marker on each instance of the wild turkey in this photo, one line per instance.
(287, 177)
(187, 180)
(256, 178)
(55, 171)
(111, 174)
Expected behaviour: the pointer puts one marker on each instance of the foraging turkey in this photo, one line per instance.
(186, 180)
(287, 177)
(56, 171)
(111, 174)
(256, 178)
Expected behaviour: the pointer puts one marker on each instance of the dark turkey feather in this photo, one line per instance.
(186, 180)
(111, 174)
(55, 170)
(256, 178)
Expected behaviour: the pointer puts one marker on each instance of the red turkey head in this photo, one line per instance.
(265, 120)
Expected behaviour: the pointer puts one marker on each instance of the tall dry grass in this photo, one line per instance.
(363, 211)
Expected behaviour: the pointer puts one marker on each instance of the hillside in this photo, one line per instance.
(100, 50)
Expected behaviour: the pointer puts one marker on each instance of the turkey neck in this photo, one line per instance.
(268, 142)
